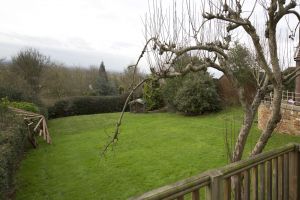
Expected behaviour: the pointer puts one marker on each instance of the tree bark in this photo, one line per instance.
(249, 115)
(272, 123)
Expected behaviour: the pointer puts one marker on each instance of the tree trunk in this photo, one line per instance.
(249, 115)
(272, 123)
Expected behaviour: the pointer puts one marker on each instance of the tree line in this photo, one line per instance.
(32, 76)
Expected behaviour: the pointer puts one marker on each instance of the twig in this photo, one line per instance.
(116, 134)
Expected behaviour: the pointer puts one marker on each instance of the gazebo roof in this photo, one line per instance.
(140, 101)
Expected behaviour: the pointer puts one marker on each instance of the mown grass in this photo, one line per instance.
(153, 150)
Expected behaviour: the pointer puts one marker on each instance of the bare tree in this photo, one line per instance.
(30, 64)
(209, 33)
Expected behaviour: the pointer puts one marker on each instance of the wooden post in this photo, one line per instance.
(269, 180)
(262, 181)
(255, 183)
(275, 179)
(280, 177)
(246, 194)
(196, 195)
(216, 186)
(237, 187)
(227, 188)
(286, 176)
(294, 169)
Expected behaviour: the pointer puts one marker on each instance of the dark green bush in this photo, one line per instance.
(12, 143)
(193, 94)
(86, 105)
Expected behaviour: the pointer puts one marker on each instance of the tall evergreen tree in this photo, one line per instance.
(102, 71)
(103, 86)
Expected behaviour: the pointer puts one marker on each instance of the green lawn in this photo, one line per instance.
(153, 150)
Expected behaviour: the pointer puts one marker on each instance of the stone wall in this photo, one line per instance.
(289, 124)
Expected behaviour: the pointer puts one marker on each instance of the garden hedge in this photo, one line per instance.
(86, 105)
(12, 143)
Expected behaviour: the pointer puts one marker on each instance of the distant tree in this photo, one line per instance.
(242, 63)
(102, 72)
(30, 64)
(80, 82)
(103, 86)
(127, 78)
(152, 94)
(13, 87)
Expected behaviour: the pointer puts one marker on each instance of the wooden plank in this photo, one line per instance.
(180, 198)
(216, 185)
(269, 180)
(254, 183)
(227, 189)
(262, 181)
(28, 117)
(280, 178)
(286, 176)
(246, 192)
(38, 124)
(208, 192)
(48, 135)
(185, 185)
(275, 179)
(237, 187)
(44, 129)
(195, 195)
(293, 176)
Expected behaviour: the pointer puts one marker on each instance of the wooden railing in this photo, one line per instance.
(271, 175)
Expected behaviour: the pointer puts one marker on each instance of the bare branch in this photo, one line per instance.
(285, 10)
(116, 134)
(211, 47)
(290, 75)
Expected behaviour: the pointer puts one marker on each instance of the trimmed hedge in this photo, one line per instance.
(12, 94)
(86, 105)
(12, 143)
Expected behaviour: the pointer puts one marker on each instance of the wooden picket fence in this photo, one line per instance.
(271, 175)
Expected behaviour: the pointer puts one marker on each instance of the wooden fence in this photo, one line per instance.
(271, 175)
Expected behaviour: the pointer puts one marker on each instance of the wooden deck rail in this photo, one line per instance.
(270, 175)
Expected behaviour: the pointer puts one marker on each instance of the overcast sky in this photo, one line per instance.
(75, 32)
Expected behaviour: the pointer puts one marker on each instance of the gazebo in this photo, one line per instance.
(137, 106)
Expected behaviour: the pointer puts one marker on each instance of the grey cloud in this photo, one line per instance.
(71, 57)
(29, 40)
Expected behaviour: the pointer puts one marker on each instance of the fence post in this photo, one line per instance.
(294, 181)
(216, 187)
